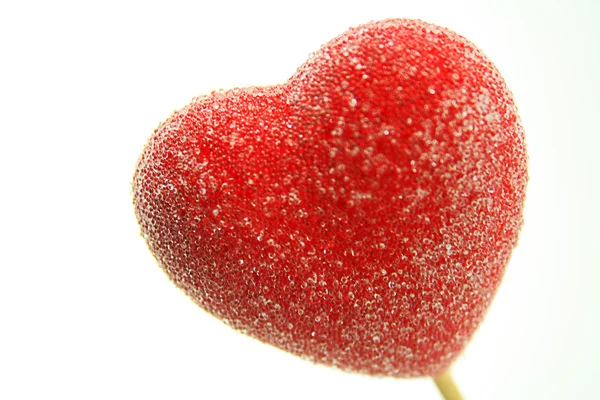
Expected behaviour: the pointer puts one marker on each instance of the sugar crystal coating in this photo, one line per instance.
(360, 215)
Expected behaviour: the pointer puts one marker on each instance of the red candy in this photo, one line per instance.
(360, 215)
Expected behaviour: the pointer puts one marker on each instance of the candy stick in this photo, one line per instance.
(447, 387)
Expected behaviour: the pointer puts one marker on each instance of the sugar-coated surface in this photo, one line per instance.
(360, 215)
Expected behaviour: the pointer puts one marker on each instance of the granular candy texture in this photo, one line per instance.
(359, 215)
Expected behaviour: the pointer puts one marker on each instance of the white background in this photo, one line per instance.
(85, 313)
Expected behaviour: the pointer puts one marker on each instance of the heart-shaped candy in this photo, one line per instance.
(360, 215)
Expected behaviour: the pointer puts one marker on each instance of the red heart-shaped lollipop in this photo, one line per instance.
(360, 215)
